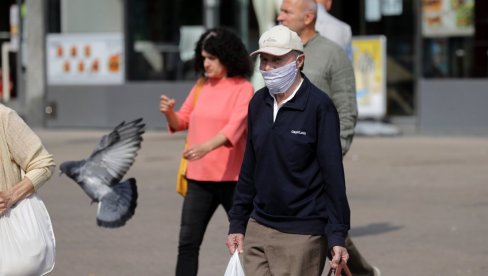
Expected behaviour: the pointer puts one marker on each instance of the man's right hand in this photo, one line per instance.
(235, 241)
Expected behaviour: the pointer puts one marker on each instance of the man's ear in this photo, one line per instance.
(301, 61)
(328, 4)
(309, 17)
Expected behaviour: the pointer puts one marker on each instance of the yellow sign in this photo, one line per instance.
(369, 61)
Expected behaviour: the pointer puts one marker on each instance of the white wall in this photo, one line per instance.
(91, 16)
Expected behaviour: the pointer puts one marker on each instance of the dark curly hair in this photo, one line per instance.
(228, 48)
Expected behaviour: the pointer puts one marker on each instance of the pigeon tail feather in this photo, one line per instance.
(118, 206)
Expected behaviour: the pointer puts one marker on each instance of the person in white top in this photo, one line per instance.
(332, 28)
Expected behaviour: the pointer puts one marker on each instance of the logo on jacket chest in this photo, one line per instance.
(298, 132)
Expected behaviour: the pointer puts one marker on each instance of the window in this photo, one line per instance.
(455, 39)
(399, 30)
(153, 36)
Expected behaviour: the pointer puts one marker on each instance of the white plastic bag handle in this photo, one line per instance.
(234, 267)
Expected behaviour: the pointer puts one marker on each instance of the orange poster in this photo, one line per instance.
(84, 59)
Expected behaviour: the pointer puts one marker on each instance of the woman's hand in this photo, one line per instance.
(196, 152)
(166, 105)
(16, 193)
(5, 202)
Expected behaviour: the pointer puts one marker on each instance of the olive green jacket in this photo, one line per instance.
(328, 68)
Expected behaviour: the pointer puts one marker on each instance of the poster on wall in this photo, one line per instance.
(442, 18)
(369, 61)
(85, 59)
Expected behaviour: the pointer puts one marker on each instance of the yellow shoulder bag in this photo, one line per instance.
(181, 182)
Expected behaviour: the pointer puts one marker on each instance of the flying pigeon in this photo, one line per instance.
(100, 174)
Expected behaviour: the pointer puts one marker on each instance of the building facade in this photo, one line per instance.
(107, 61)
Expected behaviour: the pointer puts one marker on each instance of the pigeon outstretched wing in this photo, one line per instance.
(115, 153)
(100, 174)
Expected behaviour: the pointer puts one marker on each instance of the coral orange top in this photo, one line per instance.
(221, 107)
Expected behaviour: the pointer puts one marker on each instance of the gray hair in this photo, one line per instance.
(310, 6)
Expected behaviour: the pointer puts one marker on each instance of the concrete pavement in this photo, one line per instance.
(419, 207)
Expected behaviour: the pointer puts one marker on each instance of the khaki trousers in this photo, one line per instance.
(270, 252)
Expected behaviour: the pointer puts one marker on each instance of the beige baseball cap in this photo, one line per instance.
(279, 41)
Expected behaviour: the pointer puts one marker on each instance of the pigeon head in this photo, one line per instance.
(70, 168)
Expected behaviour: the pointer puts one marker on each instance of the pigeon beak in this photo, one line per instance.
(60, 173)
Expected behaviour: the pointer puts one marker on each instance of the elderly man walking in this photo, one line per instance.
(290, 200)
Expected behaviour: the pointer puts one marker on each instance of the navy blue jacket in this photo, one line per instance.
(292, 178)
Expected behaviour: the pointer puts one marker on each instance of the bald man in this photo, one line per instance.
(328, 67)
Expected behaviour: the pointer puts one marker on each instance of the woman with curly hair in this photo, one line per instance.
(215, 115)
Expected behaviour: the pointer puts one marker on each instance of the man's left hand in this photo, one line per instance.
(338, 253)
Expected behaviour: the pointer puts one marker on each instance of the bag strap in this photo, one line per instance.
(198, 88)
(342, 267)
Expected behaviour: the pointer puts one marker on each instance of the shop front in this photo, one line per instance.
(108, 61)
(453, 78)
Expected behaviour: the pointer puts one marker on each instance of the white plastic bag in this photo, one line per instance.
(27, 244)
(234, 267)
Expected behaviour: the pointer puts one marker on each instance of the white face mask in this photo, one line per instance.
(280, 79)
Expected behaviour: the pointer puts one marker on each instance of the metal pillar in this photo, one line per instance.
(244, 21)
(35, 78)
(418, 55)
(211, 16)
